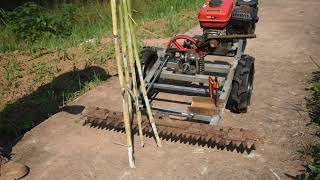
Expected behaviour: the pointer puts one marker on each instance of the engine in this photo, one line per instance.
(224, 24)
(185, 62)
(224, 17)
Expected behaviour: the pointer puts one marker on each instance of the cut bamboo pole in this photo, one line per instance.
(124, 50)
(125, 55)
(129, 6)
(138, 64)
(132, 63)
(122, 82)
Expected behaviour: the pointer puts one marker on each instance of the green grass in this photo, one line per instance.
(313, 168)
(43, 71)
(93, 20)
(314, 99)
(179, 23)
(39, 31)
(87, 86)
(12, 72)
(19, 116)
(313, 104)
(50, 88)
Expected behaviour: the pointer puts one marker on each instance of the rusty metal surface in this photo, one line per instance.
(203, 106)
(176, 129)
(233, 36)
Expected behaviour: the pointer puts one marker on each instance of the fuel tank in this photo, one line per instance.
(215, 14)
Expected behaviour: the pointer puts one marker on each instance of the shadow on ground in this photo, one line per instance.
(31, 110)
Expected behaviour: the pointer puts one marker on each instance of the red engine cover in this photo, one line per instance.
(215, 17)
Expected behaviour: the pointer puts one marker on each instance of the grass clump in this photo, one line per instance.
(12, 72)
(313, 168)
(44, 71)
(313, 104)
(314, 99)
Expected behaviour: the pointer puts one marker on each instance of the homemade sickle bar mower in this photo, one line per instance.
(210, 70)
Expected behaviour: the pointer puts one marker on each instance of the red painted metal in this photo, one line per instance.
(175, 42)
(215, 17)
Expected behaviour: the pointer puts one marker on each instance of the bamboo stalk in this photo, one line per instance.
(132, 63)
(125, 55)
(142, 83)
(124, 50)
(122, 82)
(129, 6)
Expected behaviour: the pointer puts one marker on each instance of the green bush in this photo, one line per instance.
(314, 99)
(29, 22)
(314, 171)
(313, 104)
(314, 167)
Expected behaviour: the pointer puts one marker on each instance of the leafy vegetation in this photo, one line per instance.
(41, 81)
(313, 168)
(12, 72)
(28, 22)
(314, 100)
(313, 103)
(31, 26)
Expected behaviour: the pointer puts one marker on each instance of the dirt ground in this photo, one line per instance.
(286, 51)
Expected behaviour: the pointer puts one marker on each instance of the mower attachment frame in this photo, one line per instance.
(224, 74)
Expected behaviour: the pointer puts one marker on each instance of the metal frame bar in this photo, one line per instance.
(184, 113)
(182, 89)
(217, 68)
(155, 73)
(234, 36)
(228, 85)
(197, 78)
(159, 70)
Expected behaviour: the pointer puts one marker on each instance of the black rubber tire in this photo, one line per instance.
(148, 57)
(242, 85)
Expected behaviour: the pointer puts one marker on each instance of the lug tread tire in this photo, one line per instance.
(148, 57)
(240, 96)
